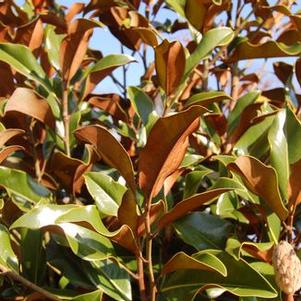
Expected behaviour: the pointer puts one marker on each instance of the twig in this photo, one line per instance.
(66, 119)
(141, 282)
(149, 246)
(12, 274)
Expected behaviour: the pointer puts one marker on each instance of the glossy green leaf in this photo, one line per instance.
(141, 102)
(227, 207)
(106, 192)
(207, 98)
(22, 60)
(293, 136)
(111, 61)
(193, 181)
(41, 216)
(190, 160)
(203, 231)
(52, 45)
(279, 151)
(113, 280)
(184, 285)
(241, 104)
(215, 37)
(7, 256)
(87, 244)
(198, 261)
(247, 142)
(93, 296)
(21, 185)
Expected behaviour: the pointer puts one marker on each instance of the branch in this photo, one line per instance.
(12, 274)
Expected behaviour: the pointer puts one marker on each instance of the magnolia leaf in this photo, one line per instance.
(220, 36)
(160, 158)
(170, 65)
(26, 101)
(182, 208)
(22, 60)
(185, 285)
(279, 150)
(262, 180)
(7, 256)
(20, 184)
(109, 149)
(102, 68)
(105, 191)
(198, 261)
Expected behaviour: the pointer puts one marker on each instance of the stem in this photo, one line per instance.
(124, 77)
(289, 297)
(66, 118)
(12, 274)
(37, 167)
(290, 222)
(205, 75)
(141, 281)
(149, 245)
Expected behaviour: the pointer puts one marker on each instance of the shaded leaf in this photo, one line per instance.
(20, 184)
(203, 231)
(7, 151)
(7, 255)
(7, 134)
(110, 278)
(262, 180)
(185, 285)
(160, 158)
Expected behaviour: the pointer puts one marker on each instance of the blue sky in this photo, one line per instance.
(104, 41)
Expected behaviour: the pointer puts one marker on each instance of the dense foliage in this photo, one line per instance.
(175, 189)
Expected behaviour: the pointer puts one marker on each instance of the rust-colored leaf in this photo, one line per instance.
(7, 134)
(170, 65)
(126, 239)
(74, 46)
(70, 171)
(294, 185)
(110, 103)
(110, 150)
(262, 180)
(283, 71)
(127, 211)
(26, 101)
(7, 151)
(161, 157)
(74, 9)
(298, 70)
(181, 209)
